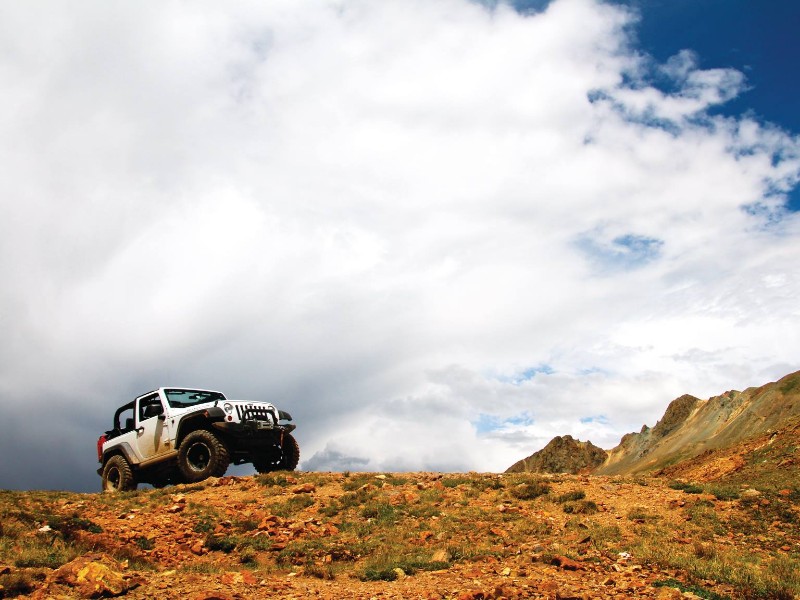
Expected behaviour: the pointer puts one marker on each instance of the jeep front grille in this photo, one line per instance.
(255, 413)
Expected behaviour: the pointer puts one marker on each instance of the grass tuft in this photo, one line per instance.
(530, 490)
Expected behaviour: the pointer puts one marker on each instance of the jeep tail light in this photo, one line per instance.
(100, 443)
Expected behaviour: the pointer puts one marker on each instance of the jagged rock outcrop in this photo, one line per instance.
(563, 454)
(634, 446)
(689, 428)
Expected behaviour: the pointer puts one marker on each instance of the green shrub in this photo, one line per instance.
(144, 543)
(583, 507)
(725, 492)
(530, 490)
(694, 589)
(384, 572)
(224, 543)
(15, 584)
(571, 496)
(269, 480)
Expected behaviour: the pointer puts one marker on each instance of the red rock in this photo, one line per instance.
(306, 488)
(566, 563)
(473, 573)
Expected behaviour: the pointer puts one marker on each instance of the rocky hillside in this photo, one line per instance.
(690, 430)
(691, 427)
(563, 454)
(411, 535)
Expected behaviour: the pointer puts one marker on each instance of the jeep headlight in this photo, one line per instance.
(227, 407)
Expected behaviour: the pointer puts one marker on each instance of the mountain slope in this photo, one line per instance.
(690, 430)
(691, 426)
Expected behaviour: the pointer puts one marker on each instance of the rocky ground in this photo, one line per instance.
(419, 535)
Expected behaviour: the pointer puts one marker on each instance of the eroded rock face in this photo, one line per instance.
(563, 454)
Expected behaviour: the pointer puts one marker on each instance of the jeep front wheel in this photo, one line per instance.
(117, 475)
(289, 457)
(291, 453)
(201, 455)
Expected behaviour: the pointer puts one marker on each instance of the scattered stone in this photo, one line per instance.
(566, 563)
(306, 488)
(239, 577)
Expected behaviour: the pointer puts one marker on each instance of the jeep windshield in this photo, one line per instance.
(185, 398)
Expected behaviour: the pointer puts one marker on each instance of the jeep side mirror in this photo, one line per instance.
(162, 417)
(129, 423)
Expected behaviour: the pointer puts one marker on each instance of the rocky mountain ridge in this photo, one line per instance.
(563, 454)
(690, 427)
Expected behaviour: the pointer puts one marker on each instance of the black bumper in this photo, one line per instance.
(253, 428)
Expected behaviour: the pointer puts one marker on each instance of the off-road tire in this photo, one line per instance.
(117, 475)
(202, 455)
(291, 453)
(290, 456)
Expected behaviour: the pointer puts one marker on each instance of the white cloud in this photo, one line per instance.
(379, 215)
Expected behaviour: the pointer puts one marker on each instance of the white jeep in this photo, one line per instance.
(181, 435)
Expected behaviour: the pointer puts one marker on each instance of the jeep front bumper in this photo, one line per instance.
(252, 428)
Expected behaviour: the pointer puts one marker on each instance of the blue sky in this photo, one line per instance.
(437, 233)
(757, 38)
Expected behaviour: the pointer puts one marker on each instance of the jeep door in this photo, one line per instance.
(152, 431)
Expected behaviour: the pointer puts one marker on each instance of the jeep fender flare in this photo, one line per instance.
(125, 450)
(197, 420)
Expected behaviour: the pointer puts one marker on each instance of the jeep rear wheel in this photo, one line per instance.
(201, 455)
(117, 475)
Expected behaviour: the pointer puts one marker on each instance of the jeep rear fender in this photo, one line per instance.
(125, 450)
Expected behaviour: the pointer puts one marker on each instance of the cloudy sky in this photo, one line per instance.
(438, 233)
